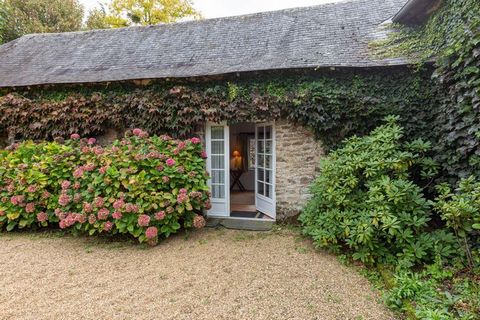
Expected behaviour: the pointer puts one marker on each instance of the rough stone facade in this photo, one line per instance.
(298, 155)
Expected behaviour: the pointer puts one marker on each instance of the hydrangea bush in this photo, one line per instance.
(148, 187)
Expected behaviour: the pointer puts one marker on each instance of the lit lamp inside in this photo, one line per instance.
(236, 163)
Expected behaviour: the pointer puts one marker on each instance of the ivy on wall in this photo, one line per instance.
(334, 104)
(452, 38)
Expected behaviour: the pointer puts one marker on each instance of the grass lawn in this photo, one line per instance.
(209, 274)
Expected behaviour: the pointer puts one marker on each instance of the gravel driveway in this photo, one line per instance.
(212, 274)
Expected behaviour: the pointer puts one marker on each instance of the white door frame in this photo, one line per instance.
(220, 207)
(264, 204)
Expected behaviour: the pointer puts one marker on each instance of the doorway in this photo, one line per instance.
(241, 162)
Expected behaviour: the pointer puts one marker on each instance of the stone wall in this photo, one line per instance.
(298, 156)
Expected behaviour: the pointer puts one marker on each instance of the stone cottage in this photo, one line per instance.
(261, 170)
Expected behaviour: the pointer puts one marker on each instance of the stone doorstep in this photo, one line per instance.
(241, 223)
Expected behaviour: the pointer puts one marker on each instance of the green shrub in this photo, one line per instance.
(460, 209)
(145, 187)
(364, 199)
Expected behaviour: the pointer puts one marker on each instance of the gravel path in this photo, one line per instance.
(214, 274)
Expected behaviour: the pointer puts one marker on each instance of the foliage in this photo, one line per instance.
(333, 104)
(124, 13)
(145, 187)
(452, 38)
(461, 212)
(366, 201)
(437, 292)
(97, 19)
(20, 17)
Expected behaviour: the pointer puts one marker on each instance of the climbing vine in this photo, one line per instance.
(334, 104)
(451, 37)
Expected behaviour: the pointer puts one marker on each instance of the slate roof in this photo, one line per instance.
(335, 34)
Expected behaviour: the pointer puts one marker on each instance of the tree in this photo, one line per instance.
(20, 17)
(124, 13)
(97, 19)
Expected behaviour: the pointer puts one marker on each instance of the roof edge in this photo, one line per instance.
(416, 12)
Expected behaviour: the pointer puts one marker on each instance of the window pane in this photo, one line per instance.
(218, 162)
(268, 162)
(268, 132)
(260, 146)
(218, 133)
(260, 175)
(261, 161)
(218, 147)
(218, 176)
(260, 189)
(269, 191)
(268, 176)
(268, 146)
(261, 134)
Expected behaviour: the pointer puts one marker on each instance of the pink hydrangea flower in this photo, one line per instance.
(181, 145)
(64, 199)
(103, 169)
(143, 220)
(77, 197)
(75, 136)
(165, 179)
(160, 168)
(170, 162)
(76, 185)
(32, 188)
(42, 216)
(81, 218)
(92, 141)
(119, 204)
(182, 198)
(183, 190)
(204, 155)
(115, 149)
(181, 169)
(78, 172)
(130, 207)
(87, 207)
(98, 150)
(195, 140)
(108, 226)
(103, 214)
(2, 213)
(66, 184)
(30, 207)
(99, 202)
(208, 205)
(160, 215)
(117, 215)
(89, 167)
(151, 232)
(92, 219)
(137, 132)
(170, 209)
(199, 222)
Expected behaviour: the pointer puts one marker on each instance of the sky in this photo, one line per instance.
(224, 8)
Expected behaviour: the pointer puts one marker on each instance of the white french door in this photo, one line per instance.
(265, 169)
(217, 138)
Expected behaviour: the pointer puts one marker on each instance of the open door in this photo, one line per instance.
(265, 169)
(218, 163)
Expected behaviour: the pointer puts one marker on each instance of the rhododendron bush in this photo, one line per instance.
(148, 187)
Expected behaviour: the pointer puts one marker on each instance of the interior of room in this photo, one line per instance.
(242, 170)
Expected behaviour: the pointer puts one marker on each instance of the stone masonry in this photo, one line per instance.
(298, 155)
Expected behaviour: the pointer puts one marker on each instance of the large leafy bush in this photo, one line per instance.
(145, 187)
(460, 209)
(365, 200)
